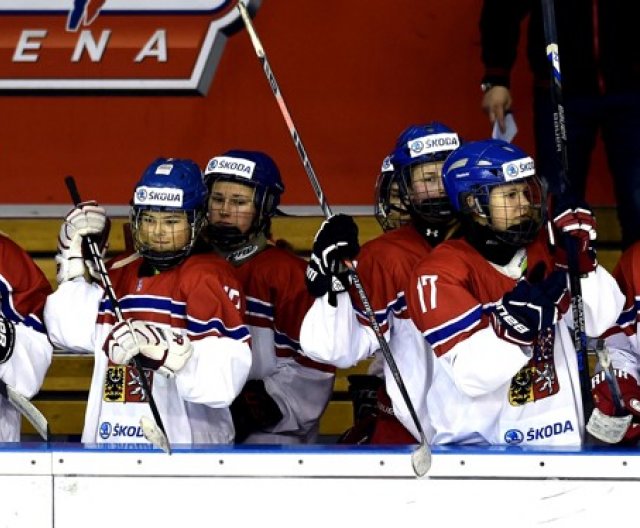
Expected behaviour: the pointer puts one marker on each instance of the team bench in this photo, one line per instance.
(64, 393)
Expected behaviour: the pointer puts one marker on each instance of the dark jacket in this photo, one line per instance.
(598, 42)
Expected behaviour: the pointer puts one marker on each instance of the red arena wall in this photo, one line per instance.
(353, 75)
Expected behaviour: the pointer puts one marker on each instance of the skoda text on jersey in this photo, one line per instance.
(88, 46)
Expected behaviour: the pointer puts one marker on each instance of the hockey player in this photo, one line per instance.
(183, 316)
(287, 393)
(623, 344)
(493, 305)
(364, 388)
(337, 332)
(25, 351)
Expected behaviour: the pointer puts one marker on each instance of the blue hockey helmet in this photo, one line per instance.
(476, 168)
(254, 169)
(417, 146)
(388, 208)
(166, 185)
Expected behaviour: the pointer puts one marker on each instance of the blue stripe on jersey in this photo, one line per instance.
(9, 311)
(441, 334)
(195, 327)
(148, 303)
(628, 317)
(175, 310)
(258, 308)
(398, 305)
(284, 341)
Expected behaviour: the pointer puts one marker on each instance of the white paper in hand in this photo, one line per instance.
(510, 129)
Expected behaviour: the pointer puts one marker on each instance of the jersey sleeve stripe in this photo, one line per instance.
(439, 335)
(282, 340)
(259, 309)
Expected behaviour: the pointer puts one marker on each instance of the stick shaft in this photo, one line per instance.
(577, 305)
(108, 288)
(297, 141)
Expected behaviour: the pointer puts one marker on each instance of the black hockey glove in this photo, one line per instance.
(335, 241)
(528, 308)
(363, 390)
(7, 339)
(253, 410)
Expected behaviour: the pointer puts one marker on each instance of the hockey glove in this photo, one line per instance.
(7, 339)
(521, 313)
(87, 218)
(319, 284)
(363, 390)
(253, 410)
(160, 349)
(572, 232)
(630, 392)
(335, 241)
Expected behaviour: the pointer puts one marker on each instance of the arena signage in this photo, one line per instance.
(114, 45)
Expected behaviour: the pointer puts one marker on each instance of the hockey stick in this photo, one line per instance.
(577, 305)
(421, 457)
(26, 409)
(154, 432)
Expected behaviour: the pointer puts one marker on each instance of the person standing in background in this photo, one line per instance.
(600, 66)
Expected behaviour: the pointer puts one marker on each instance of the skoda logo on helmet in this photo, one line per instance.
(416, 146)
(511, 171)
(141, 195)
(212, 165)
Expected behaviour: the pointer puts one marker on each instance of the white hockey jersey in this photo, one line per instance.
(486, 390)
(200, 298)
(23, 291)
(342, 336)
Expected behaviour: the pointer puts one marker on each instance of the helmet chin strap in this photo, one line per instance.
(239, 254)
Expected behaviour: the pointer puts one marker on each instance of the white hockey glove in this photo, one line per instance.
(160, 349)
(87, 218)
(7, 339)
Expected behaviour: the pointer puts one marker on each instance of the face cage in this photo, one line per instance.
(523, 232)
(229, 239)
(166, 260)
(390, 216)
(389, 213)
(434, 210)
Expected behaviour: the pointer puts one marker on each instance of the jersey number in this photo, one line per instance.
(234, 296)
(427, 292)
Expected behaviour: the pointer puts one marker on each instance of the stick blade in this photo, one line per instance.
(29, 411)
(421, 460)
(154, 434)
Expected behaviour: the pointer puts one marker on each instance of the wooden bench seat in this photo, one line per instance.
(38, 236)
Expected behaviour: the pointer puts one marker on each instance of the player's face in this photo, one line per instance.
(164, 231)
(426, 182)
(232, 204)
(510, 205)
